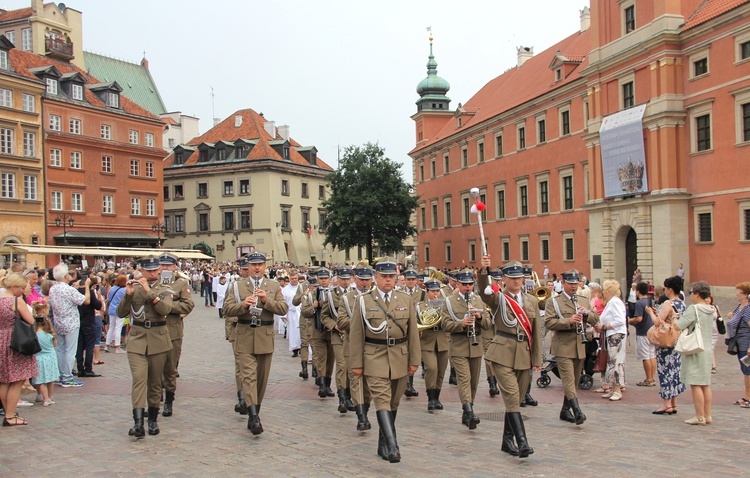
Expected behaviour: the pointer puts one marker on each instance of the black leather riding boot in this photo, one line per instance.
(509, 444)
(438, 405)
(565, 413)
(137, 431)
(494, 391)
(329, 392)
(348, 399)
(342, 400)
(321, 381)
(253, 420)
(168, 404)
(390, 446)
(153, 414)
(430, 400)
(577, 413)
(410, 392)
(516, 423)
(303, 373)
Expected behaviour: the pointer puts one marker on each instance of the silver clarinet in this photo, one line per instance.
(581, 326)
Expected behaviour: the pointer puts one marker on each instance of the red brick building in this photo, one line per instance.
(686, 64)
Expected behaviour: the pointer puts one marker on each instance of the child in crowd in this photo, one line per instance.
(49, 371)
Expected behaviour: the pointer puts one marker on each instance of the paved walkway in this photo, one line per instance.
(85, 432)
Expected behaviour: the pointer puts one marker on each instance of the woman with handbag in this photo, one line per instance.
(738, 334)
(15, 368)
(612, 328)
(696, 366)
(668, 362)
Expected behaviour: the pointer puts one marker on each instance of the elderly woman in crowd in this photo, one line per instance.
(15, 368)
(696, 368)
(739, 326)
(64, 301)
(668, 362)
(613, 325)
(114, 333)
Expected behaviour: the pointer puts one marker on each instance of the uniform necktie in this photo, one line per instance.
(387, 300)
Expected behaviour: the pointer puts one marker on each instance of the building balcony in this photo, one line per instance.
(57, 48)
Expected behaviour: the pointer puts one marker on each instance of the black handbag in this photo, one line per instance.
(721, 326)
(24, 339)
(733, 346)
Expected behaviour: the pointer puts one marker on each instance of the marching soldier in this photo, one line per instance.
(515, 348)
(528, 278)
(417, 295)
(567, 316)
(464, 317)
(434, 345)
(358, 391)
(305, 325)
(329, 316)
(147, 302)
(447, 290)
(182, 305)
(384, 347)
(489, 333)
(230, 333)
(254, 300)
(323, 356)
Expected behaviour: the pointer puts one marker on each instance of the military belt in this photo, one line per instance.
(390, 342)
(148, 324)
(519, 337)
(254, 322)
(565, 330)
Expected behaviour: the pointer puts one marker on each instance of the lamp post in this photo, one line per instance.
(65, 221)
(159, 228)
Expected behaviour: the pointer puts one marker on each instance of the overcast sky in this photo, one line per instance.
(338, 72)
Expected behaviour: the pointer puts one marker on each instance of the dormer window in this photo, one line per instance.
(179, 158)
(203, 156)
(108, 93)
(3, 59)
(112, 99)
(286, 152)
(313, 158)
(558, 74)
(221, 154)
(76, 92)
(51, 86)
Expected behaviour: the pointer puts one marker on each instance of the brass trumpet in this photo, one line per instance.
(541, 292)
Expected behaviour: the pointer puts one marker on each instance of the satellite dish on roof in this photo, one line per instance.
(62, 7)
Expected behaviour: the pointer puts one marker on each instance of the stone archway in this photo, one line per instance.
(626, 255)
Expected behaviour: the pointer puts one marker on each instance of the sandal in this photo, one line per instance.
(713, 370)
(602, 390)
(99, 362)
(741, 401)
(745, 405)
(16, 421)
(644, 383)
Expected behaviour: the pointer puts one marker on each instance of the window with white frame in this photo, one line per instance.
(698, 61)
(480, 151)
(149, 169)
(448, 251)
(566, 191)
(228, 188)
(56, 201)
(76, 92)
(541, 129)
(6, 98)
(108, 204)
(521, 136)
(8, 181)
(544, 247)
(55, 158)
(466, 203)
(76, 202)
(704, 224)
(434, 208)
(26, 44)
(148, 139)
(112, 99)
(107, 164)
(565, 121)
(76, 160)
(628, 16)
(11, 36)
(568, 247)
(285, 187)
(29, 103)
(106, 131)
(3, 59)
(744, 220)
(29, 144)
(742, 47)
(150, 207)
(542, 194)
(427, 253)
(523, 197)
(472, 251)
(135, 167)
(179, 223)
(422, 218)
(446, 163)
(133, 136)
(627, 93)
(505, 247)
(55, 123)
(524, 248)
(464, 157)
(135, 206)
(30, 187)
(448, 221)
(51, 86)
(433, 169)
(75, 126)
(498, 145)
(500, 201)
(742, 115)
(700, 126)
(6, 141)
(245, 187)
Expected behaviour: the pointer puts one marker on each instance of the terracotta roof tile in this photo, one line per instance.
(710, 9)
(11, 15)
(519, 85)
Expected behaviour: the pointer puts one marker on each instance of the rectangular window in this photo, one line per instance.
(544, 197)
(522, 138)
(285, 187)
(305, 218)
(700, 67)
(421, 172)
(321, 190)
(148, 139)
(135, 167)
(427, 253)
(244, 186)
(434, 216)
(544, 244)
(628, 95)
(745, 50)
(523, 194)
(29, 144)
(433, 169)
(567, 193)
(30, 189)
(135, 206)
(746, 215)
(202, 190)
(106, 131)
(422, 218)
(6, 98)
(446, 163)
(112, 99)
(150, 207)
(179, 223)
(56, 203)
(569, 249)
(629, 19)
(542, 131)
(203, 222)
(75, 126)
(221, 154)
(149, 169)
(179, 158)
(55, 123)
(107, 204)
(506, 250)
(448, 221)
(76, 202)
(305, 193)
(705, 233)
(11, 36)
(565, 122)
(179, 192)
(285, 219)
(467, 211)
(501, 204)
(26, 39)
(8, 181)
(202, 156)
(3, 59)
(133, 136)
(472, 252)
(51, 86)
(228, 188)
(746, 122)
(245, 220)
(499, 145)
(483, 199)
(480, 152)
(703, 132)
(448, 252)
(6, 141)
(107, 164)
(524, 250)
(29, 103)
(464, 158)
(76, 92)
(76, 160)
(55, 158)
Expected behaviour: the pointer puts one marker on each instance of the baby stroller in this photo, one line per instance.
(587, 374)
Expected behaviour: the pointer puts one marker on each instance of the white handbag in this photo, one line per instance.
(690, 343)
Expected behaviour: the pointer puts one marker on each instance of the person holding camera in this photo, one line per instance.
(645, 351)
(87, 331)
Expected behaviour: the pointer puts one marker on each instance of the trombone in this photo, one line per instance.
(541, 292)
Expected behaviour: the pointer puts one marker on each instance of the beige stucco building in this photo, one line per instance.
(246, 185)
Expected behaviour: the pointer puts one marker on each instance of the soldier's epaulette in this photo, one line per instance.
(400, 292)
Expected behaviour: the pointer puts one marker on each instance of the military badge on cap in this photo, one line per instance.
(513, 269)
(421, 275)
(323, 273)
(256, 258)
(167, 258)
(243, 263)
(150, 263)
(363, 272)
(465, 276)
(432, 284)
(496, 274)
(527, 270)
(386, 266)
(571, 276)
(410, 274)
(344, 273)
(312, 280)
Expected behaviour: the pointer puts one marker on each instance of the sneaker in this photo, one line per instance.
(48, 403)
(121, 351)
(106, 348)
(71, 383)
(39, 398)
(24, 403)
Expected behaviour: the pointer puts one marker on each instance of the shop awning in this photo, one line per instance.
(99, 251)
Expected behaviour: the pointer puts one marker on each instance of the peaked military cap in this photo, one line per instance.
(167, 258)
(513, 269)
(571, 276)
(465, 276)
(386, 266)
(150, 263)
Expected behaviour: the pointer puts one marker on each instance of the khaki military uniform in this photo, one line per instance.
(566, 345)
(148, 341)
(509, 351)
(305, 324)
(230, 333)
(434, 344)
(466, 358)
(346, 310)
(384, 357)
(254, 345)
(323, 355)
(329, 316)
(182, 305)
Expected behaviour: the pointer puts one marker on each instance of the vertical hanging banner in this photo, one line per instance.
(623, 153)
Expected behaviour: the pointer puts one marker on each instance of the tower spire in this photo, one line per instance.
(432, 90)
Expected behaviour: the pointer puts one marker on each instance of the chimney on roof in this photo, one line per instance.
(524, 54)
(585, 19)
(217, 121)
(270, 127)
(237, 121)
(144, 63)
(284, 131)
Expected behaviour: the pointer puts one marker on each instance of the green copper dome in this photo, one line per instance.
(433, 85)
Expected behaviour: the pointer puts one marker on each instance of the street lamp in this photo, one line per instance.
(234, 240)
(65, 221)
(158, 228)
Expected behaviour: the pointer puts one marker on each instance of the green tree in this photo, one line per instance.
(369, 203)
